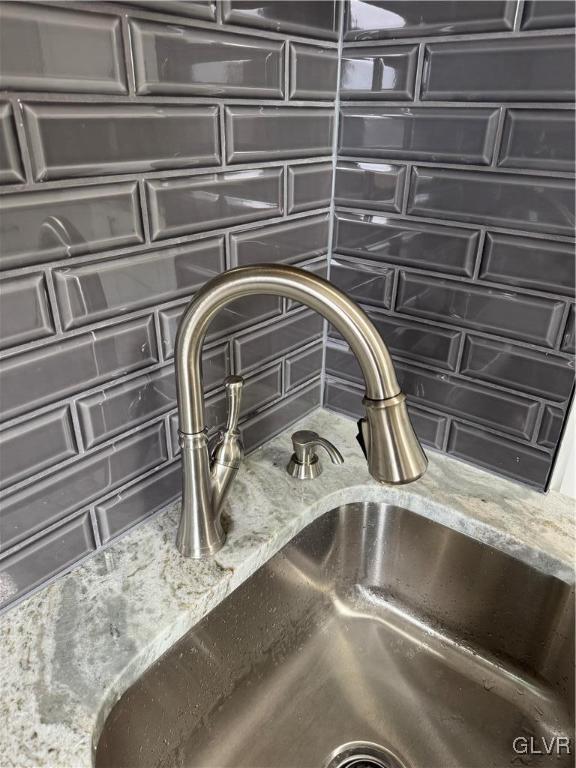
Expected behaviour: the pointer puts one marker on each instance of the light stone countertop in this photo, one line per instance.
(68, 652)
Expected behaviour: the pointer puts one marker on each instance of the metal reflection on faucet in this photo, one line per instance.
(386, 435)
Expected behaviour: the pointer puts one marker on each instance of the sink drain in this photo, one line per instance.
(363, 754)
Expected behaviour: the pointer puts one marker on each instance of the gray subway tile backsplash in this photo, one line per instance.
(53, 49)
(378, 73)
(97, 290)
(147, 146)
(435, 134)
(24, 310)
(69, 140)
(205, 62)
(507, 69)
(367, 20)
(11, 170)
(532, 203)
(275, 133)
(200, 203)
(59, 223)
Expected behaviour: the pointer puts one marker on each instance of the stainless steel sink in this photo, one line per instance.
(375, 638)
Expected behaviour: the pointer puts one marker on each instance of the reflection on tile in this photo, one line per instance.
(272, 133)
(378, 73)
(122, 138)
(11, 170)
(434, 134)
(45, 557)
(35, 445)
(496, 454)
(314, 18)
(526, 370)
(281, 243)
(276, 418)
(66, 490)
(370, 185)
(537, 138)
(205, 62)
(569, 335)
(51, 49)
(45, 374)
(313, 72)
(106, 288)
(274, 340)
(24, 312)
(548, 14)
(125, 509)
(537, 203)
(309, 186)
(426, 246)
(366, 20)
(551, 427)
(522, 261)
(43, 226)
(521, 316)
(509, 69)
(363, 281)
(194, 9)
(195, 204)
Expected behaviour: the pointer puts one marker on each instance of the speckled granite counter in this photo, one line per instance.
(68, 652)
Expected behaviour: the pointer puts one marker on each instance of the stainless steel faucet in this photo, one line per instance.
(386, 435)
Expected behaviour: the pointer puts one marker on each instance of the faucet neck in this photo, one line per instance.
(290, 282)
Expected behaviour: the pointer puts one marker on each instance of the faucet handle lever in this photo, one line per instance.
(234, 385)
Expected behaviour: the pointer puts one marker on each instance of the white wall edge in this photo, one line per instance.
(564, 473)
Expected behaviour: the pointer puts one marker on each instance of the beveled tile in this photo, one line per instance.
(551, 427)
(315, 18)
(520, 316)
(233, 317)
(102, 289)
(193, 9)
(61, 493)
(367, 20)
(408, 243)
(273, 420)
(496, 454)
(276, 339)
(274, 133)
(370, 185)
(47, 225)
(121, 138)
(24, 311)
(124, 510)
(45, 557)
(538, 138)
(45, 374)
(303, 366)
(548, 14)
(309, 186)
(532, 203)
(52, 49)
(313, 72)
(362, 280)
(378, 73)
(422, 342)
(35, 445)
(196, 204)
(284, 243)
(11, 170)
(525, 370)
(526, 262)
(205, 62)
(507, 69)
(569, 334)
(433, 134)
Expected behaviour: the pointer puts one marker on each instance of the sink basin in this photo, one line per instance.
(377, 637)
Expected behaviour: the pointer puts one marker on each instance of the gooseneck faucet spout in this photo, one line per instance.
(392, 450)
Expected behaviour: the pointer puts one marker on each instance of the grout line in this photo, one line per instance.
(95, 526)
(285, 190)
(406, 190)
(419, 73)
(463, 37)
(73, 408)
(53, 302)
(168, 436)
(287, 63)
(479, 255)
(128, 55)
(497, 148)
(222, 135)
(143, 198)
(518, 16)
